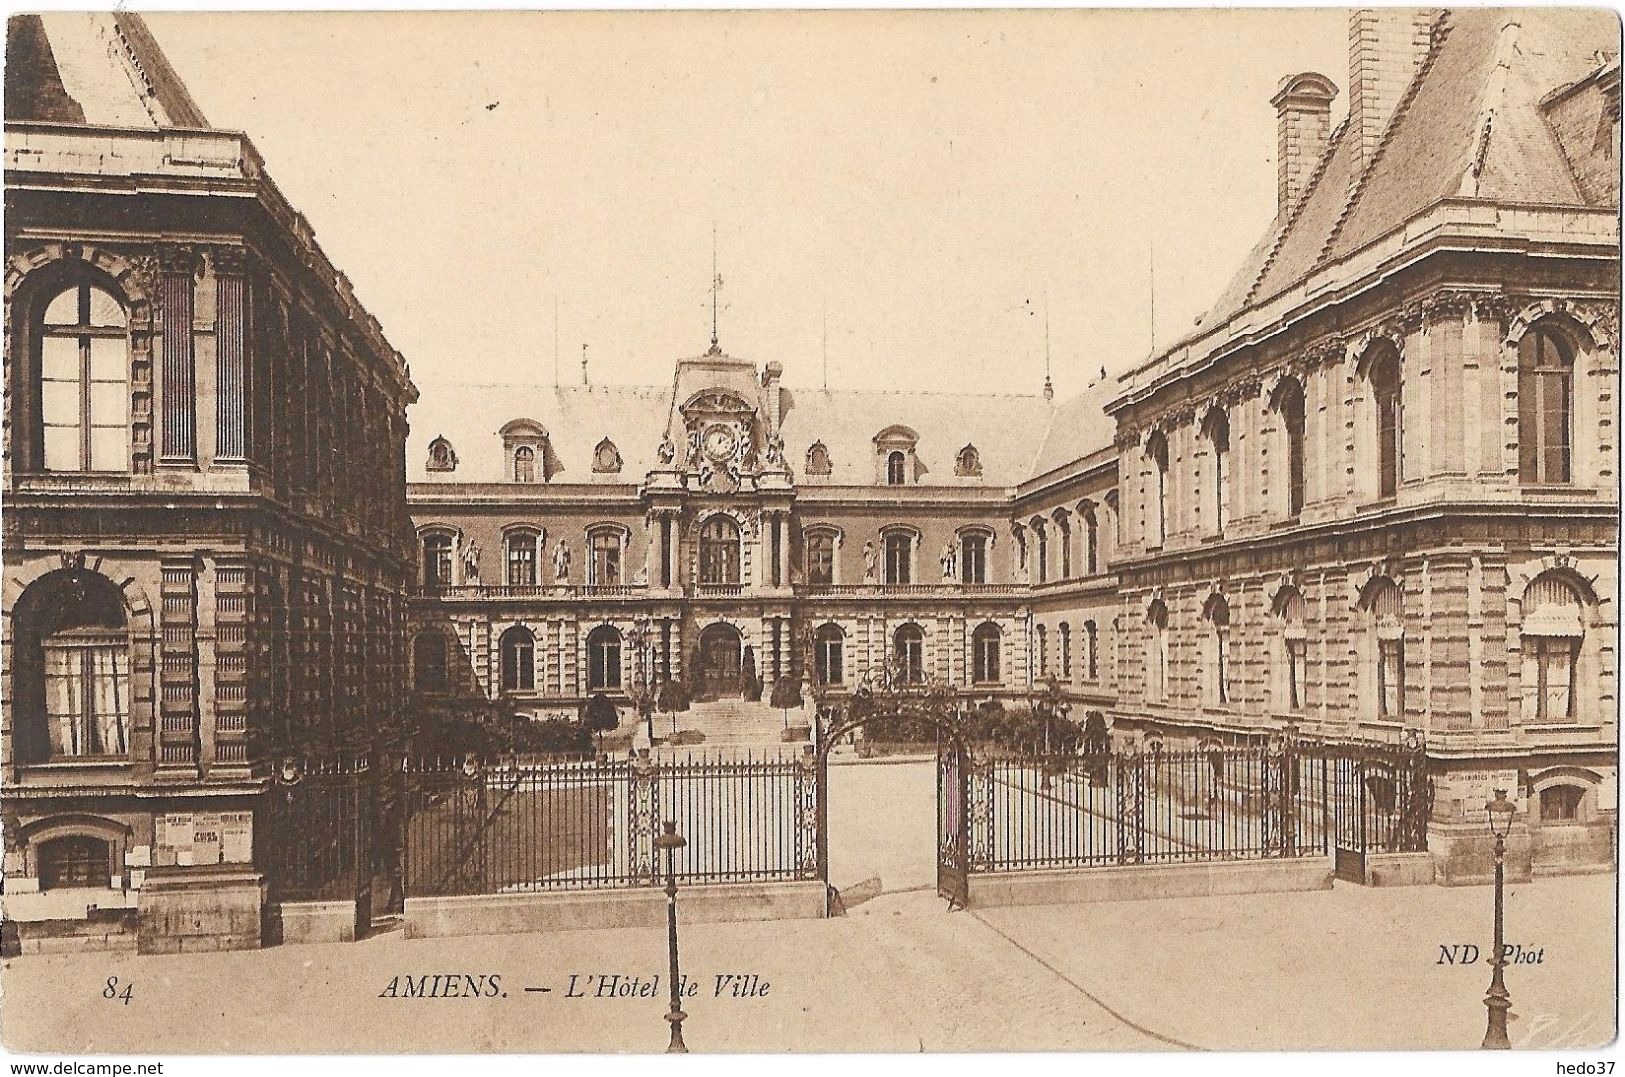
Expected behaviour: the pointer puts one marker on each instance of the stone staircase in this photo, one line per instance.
(736, 723)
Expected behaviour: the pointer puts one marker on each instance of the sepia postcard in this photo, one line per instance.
(772, 531)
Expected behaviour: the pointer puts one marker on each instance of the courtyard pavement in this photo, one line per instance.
(1347, 968)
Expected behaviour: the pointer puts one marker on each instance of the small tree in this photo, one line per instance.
(600, 716)
(672, 696)
(752, 686)
(786, 694)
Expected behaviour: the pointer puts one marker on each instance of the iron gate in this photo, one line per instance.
(1381, 798)
(953, 822)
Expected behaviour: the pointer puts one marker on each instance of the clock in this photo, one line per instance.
(720, 442)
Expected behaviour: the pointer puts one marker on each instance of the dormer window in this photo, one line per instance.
(818, 459)
(896, 459)
(969, 462)
(525, 453)
(896, 469)
(442, 457)
(606, 458)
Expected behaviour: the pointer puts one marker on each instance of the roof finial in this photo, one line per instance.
(1049, 386)
(583, 363)
(716, 286)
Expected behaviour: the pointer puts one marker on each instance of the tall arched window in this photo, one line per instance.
(899, 557)
(518, 649)
(896, 469)
(820, 558)
(1294, 649)
(1157, 652)
(605, 565)
(973, 557)
(603, 659)
(1041, 550)
(1550, 637)
(1289, 404)
(829, 645)
(1063, 537)
(85, 382)
(1385, 607)
(437, 559)
(985, 659)
(1091, 651)
(430, 671)
(909, 653)
(1066, 651)
(1091, 538)
(1217, 429)
(71, 669)
(1042, 647)
(524, 464)
(1384, 374)
(1217, 615)
(719, 550)
(1545, 407)
(1156, 451)
(519, 552)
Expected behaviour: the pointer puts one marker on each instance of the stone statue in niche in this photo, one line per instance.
(667, 451)
(871, 563)
(775, 451)
(950, 562)
(561, 562)
(471, 562)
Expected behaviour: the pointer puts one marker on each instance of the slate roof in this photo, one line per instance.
(93, 67)
(1470, 127)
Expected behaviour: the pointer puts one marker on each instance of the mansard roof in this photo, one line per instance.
(1473, 127)
(93, 67)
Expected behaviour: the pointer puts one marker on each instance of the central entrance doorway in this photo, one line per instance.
(720, 649)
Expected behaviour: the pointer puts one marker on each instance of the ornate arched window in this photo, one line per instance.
(437, 558)
(1289, 609)
(1545, 406)
(908, 650)
(524, 464)
(1385, 610)
(606, 545)
(1066, 651)
(1156, 522)
(1216, 428)
(442, 457)
(1091, 538)
(986, 664)
(606, 458)
(973, 543)
(819, 545)
(430, 668)
(1041, 645)
(818, 459)
(1550, 638)
(896, 468)
(1063, 538)
(719, 550)
(518, 648)
(71, 666)
(1041, 551)
(1561, 803)
(1091, 651)
(1383, 372)
(829, 644)
(899, 547)
(1217, 615)
(1157, 651)
(521, 548)
(1289, 405)
(603, 659)
(85, 381)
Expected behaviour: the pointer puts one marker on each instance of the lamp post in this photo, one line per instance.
(1497, 1000)
(670, 841)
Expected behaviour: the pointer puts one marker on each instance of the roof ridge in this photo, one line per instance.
(1295, 210)
(1492, 95)
(1439, 32)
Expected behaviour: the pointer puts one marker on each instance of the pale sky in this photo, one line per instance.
(926, 179)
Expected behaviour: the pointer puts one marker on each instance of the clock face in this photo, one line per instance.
(719, 442)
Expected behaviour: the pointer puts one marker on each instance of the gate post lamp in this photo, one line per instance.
(1497, 1000)
(670, 841)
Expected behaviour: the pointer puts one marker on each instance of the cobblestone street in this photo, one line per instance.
(1347, 968)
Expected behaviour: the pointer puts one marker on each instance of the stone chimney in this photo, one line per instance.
(1303, 111)
(1386, 49)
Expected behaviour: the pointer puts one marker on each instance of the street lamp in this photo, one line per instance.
(642, 691)
(671, 841)
(1498, 1001)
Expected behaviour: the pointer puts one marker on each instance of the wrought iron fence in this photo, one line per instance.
(314, 834)
(1287, 799)
(512, 826)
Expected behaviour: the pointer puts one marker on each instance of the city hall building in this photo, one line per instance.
(1373, 490)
